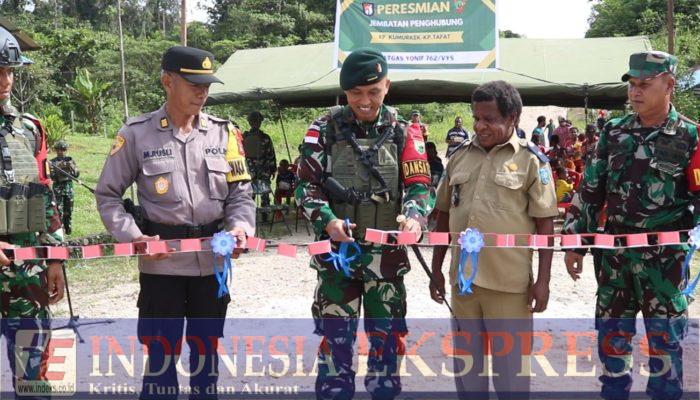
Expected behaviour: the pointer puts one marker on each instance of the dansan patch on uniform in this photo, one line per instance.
(415, 168)
(117, 145)
(312, 136)
(163, 123)
(162, 185)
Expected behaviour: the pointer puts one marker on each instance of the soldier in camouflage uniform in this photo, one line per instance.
(375, 275)
(61, 167)
(26, 288)
(260, 156)
(638, 169)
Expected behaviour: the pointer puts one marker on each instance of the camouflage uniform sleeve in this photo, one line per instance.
(418, 202)
(53, 235)
(588, 202)
(74, 168)
(269, 157)
(312, 165)
(53, 173)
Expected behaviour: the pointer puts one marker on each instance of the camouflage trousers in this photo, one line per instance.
(25, 324)
(647, 280)
(336, 310)
(64, 200)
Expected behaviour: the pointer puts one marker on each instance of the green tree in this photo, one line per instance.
(648, 17)
(688, 53)
(142, 58)
(87, 94)
(637, 17)
(56, 128)
(267, 23)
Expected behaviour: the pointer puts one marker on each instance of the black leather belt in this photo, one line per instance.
(181, 231)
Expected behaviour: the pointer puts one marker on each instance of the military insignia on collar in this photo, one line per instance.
(206, 64)
(162, 185)
(513, 167)
(203, 122)
(545, 176)
(164, 123)
(117, 144)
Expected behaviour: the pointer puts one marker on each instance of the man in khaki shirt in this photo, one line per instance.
(498, 183)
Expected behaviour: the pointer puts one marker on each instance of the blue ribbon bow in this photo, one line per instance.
(693, 241)
(471, 241)
(340, 259)
(222, 244)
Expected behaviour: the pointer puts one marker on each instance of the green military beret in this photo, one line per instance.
(648, 64)
(363, 66)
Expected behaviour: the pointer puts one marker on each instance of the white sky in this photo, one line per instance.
(535, 19)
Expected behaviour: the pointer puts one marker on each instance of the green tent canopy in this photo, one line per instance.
(560, 72)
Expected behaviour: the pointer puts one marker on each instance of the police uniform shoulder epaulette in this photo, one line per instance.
(535, 150)
(139, 119)
(218, 120)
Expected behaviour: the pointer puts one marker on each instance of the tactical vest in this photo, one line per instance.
(22, 204)
(371, 210)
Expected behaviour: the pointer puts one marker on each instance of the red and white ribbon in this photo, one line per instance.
(390, 238)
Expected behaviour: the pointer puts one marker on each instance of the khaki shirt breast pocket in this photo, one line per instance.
(217, 168)
(159, 182)
(510, 190)
(462, 184)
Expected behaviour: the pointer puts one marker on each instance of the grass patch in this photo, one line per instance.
(103, 272)
(89, 153)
